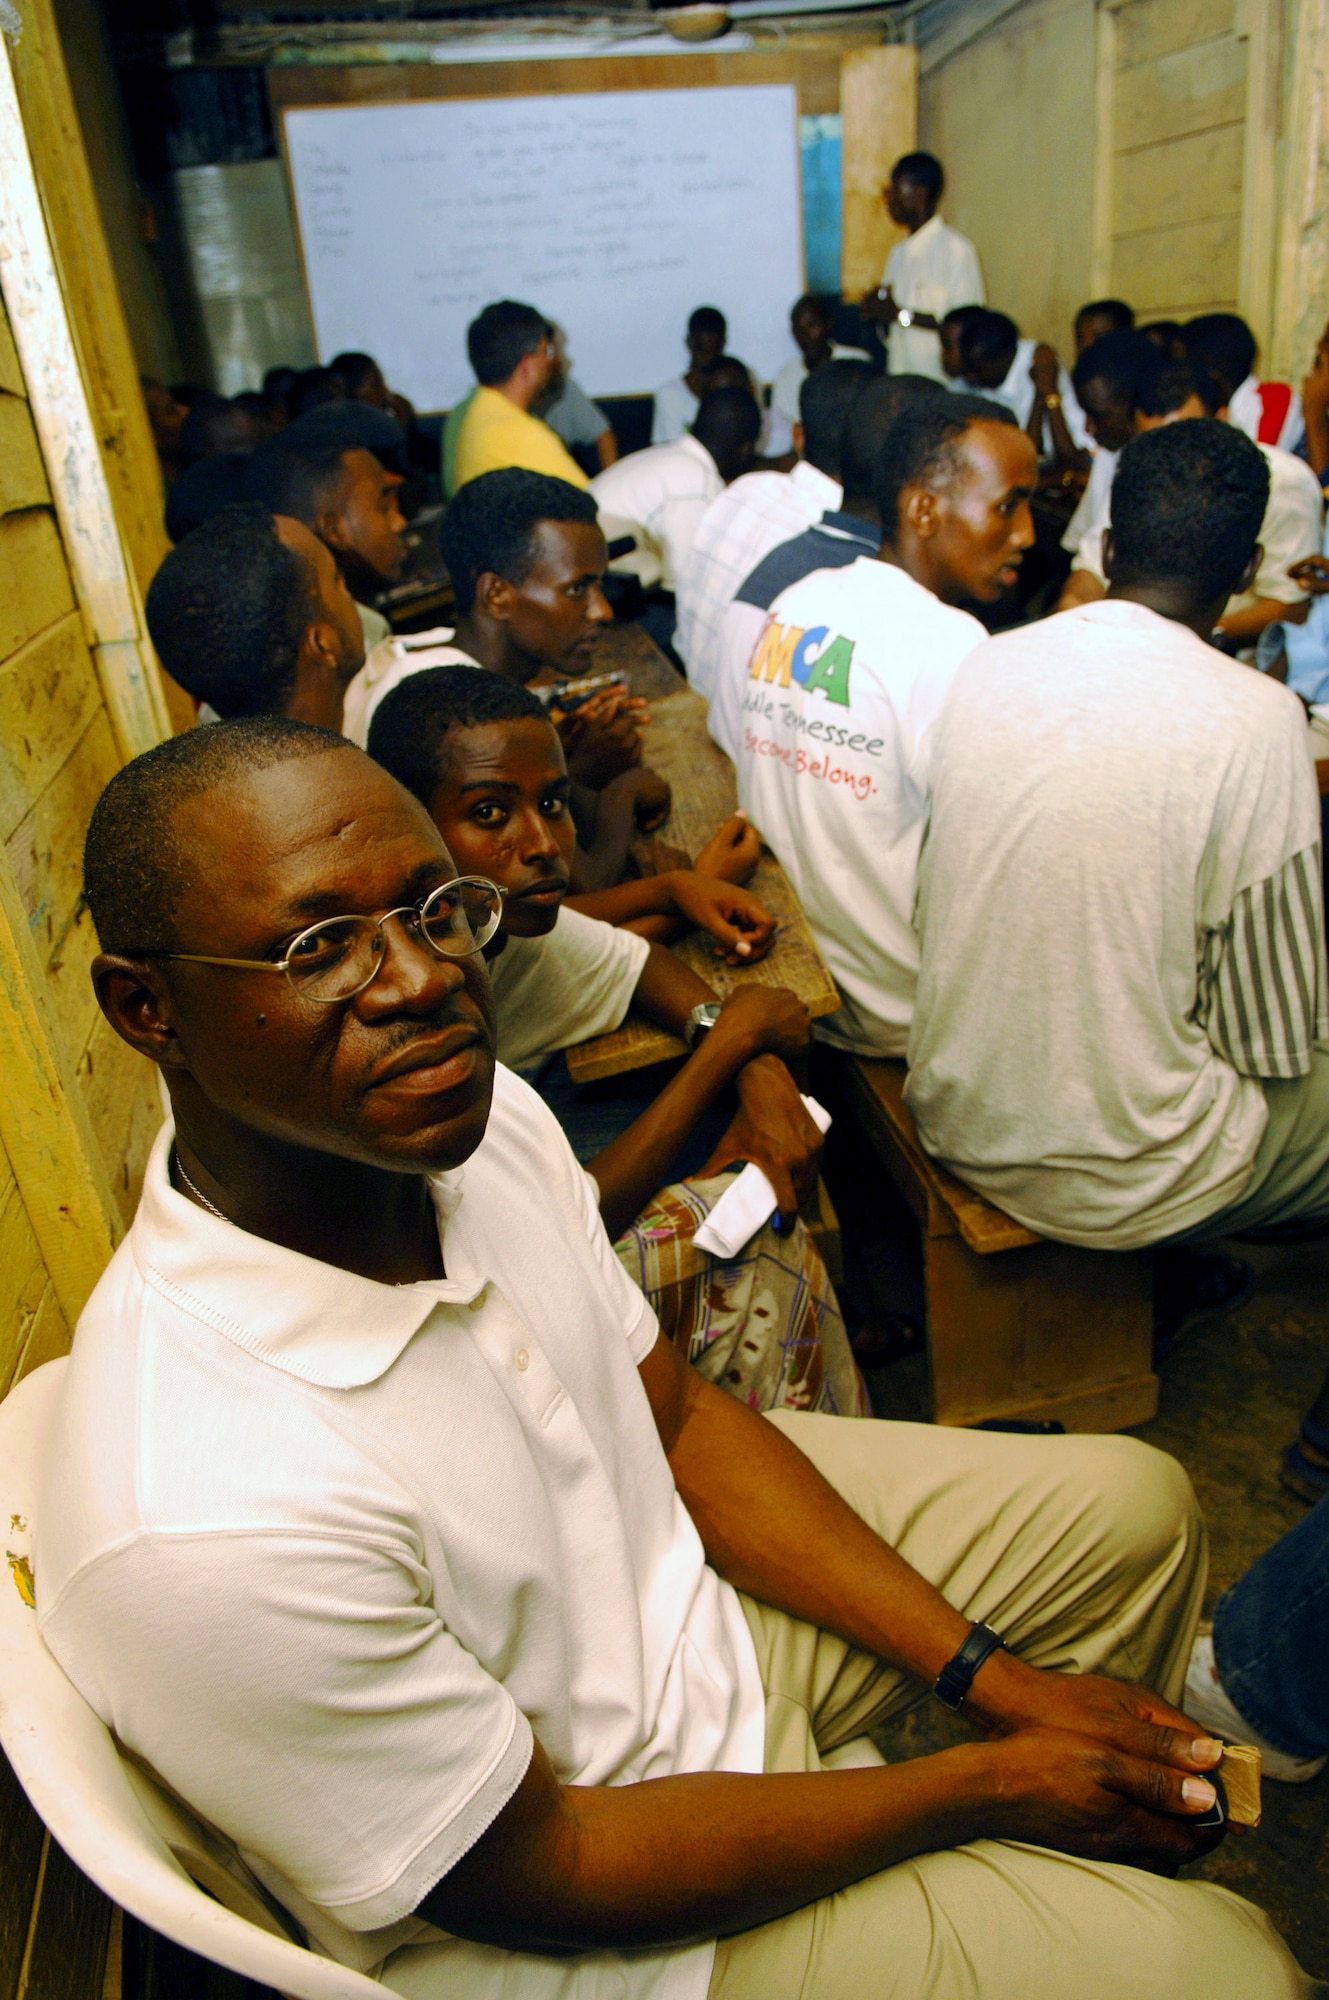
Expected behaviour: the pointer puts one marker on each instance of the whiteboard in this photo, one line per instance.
(614, 213)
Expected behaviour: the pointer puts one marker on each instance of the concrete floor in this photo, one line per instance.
(1233, 1390)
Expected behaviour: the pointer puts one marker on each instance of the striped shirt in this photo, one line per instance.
(744, 523)
(1122, 929)
(1261, 994)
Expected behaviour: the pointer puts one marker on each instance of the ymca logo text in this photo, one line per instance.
(810, 657)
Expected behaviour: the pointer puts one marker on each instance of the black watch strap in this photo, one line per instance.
(957, 1676)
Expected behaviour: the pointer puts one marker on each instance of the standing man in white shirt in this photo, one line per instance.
(761, 510)
(506, 1649)
(832, 737)
(658, 496)
(1121, 1007)
(934, 269)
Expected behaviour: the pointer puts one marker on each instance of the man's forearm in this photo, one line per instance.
(634, 1165)
(646, 905)
(759, 1506)
(676, 1860)
(1248, 623)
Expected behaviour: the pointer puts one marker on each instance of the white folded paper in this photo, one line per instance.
(747, 1203)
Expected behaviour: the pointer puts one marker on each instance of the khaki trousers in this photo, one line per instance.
(1088, 1554)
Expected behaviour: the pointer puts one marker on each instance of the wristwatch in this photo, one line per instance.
(700, 1021)
(1052, 400)
(957, 1676)
(904, 317)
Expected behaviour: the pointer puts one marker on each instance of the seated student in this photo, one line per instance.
(1113, 377)
(660, 495)
(349, 500)
(951, 335)
(527, 562)
(250, 614)
(1289, 533)
(840, 537)
(1268, 412)
(511, 348)
(844, 686)
(1122, 991)
(758, 511)
(313, 387)
(203, 489)
(468, 1611)
(1027, 377)
(810, 322)
(677, 401)
(1101, 316)
(482, 756)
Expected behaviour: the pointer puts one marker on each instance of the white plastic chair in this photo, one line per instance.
(136, 1841)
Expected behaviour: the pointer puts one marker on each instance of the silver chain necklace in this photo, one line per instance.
(195, 1191)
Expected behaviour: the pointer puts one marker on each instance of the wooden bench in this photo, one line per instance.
(1017, 1326)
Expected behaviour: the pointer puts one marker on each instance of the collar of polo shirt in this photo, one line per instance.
(310, 1319)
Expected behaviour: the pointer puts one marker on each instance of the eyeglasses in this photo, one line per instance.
(336, 959)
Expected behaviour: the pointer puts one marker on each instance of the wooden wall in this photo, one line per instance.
(79, 524)
(1011, 115)
(1147, 149)
(1178, 90)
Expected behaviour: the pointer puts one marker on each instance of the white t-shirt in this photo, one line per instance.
(1290, 531)
(1105, 787)
(932, 271)
(742, 524)
(554, 991)
(393, 661)
(660, 494)
(1017, 393)
(328, 1553)
(833, 764)
(675, 407)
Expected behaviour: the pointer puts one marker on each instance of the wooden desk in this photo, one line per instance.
(702, 779)
(628, 649)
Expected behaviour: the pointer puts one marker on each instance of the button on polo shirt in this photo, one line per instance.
(328, 1553)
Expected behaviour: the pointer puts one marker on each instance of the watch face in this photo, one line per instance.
(906, 317)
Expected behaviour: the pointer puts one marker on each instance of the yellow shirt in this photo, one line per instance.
(495, 433)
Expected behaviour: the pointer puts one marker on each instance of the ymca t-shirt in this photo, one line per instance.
(833, 761)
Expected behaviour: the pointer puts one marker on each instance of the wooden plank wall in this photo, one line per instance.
(1178, 135)
(77, 1107)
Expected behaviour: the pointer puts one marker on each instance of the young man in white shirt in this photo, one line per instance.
(934, 269)
(677, 400)
(761, 510)
(484, 760)
(434, 1545)
(1027, 377)
(660, 495)
(839, 537)
(1122, 993)
(844, 685)
(810, 323)
(1289, 534)
(1267, 412)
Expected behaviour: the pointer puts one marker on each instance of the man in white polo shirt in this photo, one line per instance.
(1121, 1007)
(383, 1523)
(830, 737)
